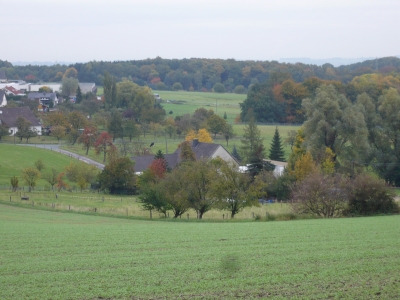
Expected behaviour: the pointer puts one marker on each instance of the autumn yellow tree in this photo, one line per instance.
(304, 166)
(328, 163)
(191, 135)
(204, 136)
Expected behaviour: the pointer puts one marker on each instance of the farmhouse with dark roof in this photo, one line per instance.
(201, 150)
(9, 116)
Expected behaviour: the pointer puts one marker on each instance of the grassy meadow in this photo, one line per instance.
(182, 102)
(129, 206)
(53, 255)
(15, 158)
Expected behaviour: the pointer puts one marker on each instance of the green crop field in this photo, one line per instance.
(52, 255)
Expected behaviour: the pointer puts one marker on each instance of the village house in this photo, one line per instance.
(9, 116)
(88, 87)
(12, 91)
(3, 99)
(44, 98)
(200, 149)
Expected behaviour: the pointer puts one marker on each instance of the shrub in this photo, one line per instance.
(322, 195)
(219, 88)
(239, 89)
(177, 86)
(370, 196)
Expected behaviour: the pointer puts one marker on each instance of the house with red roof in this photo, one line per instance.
(12, 91)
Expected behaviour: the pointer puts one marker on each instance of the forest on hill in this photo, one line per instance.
(200, 74)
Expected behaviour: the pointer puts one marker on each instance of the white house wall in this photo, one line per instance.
(3, 102)
(221, 152)
(36, 87)
(14, 130)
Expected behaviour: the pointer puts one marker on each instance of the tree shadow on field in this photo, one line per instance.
(230, 265)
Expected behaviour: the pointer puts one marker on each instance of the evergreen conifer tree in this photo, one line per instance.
(251, 142)
(276, 151)
(159, 154)
(79, 96)
(235, 154)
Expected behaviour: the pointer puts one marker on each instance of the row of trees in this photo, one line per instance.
(198, 184)
(280, 98)
(195, 73)
(77, 173)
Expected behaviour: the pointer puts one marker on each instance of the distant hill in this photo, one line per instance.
(41, 63)
(335, 61)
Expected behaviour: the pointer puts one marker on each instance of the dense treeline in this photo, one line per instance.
(280, 98)
(199, 74)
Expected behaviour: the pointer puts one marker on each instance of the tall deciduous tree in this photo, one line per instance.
(228, 133)
(115, 126)
(110, 90)
(118, 176)
(130, 129)
(216, 124)
(231, 189)
(58, 132)
(81, 174)
(102, 144)
(187, 153)
(276, 150)
(333, 122)
(88, 137)
(261, 104)
(200, 176)
(175, 191)
(24, 129)
(204, 136)
(69, 86)
(30, 175)
(51, 177)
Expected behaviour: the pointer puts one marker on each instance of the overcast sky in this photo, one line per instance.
(84, 30)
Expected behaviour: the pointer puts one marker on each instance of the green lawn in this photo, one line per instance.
(15, 158)
(50, 255)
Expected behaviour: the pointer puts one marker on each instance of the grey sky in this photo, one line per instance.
(60, 30)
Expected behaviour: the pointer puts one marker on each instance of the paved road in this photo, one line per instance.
(53, 147)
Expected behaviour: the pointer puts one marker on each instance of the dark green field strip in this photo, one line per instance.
(47, 255)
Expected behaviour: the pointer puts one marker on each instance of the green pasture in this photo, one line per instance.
(127, 206)
(53, 255)
(40, 139)
(182, 102)
(15, 158)
(100, 90)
